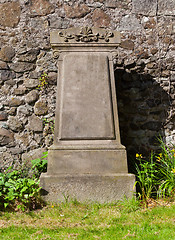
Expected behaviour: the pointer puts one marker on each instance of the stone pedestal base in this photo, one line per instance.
(95, 174)
(87, 187)
(96, 160)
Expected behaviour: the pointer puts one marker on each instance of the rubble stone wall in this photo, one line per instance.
(144, 70)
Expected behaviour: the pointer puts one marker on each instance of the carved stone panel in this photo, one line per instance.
(85, 35)
(86, 111)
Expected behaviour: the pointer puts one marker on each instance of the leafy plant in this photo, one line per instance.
(156, 177)
(43, 82)
(146, 177)
(19, 192)
(39, 165)
(166, 167)
(19, 188)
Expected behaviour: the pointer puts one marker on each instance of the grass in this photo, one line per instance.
(74, 220)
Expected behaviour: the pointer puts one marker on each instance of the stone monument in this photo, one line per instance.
(87, 160)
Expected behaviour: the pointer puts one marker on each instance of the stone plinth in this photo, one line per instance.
(87, 160)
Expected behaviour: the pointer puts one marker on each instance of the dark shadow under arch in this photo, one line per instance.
(143, 107)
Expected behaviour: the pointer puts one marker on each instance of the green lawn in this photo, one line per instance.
(124, 220)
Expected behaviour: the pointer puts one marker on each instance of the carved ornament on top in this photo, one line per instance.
(86, 35)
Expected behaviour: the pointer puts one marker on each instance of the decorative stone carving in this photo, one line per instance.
(86, 35)
(56, 54)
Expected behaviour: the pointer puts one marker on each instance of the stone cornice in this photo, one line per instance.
(85, 37)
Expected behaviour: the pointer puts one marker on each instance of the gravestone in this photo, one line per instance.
(87, 160)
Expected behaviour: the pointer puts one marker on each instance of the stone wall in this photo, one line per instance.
(144, 69)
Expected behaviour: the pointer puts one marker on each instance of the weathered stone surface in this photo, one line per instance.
(33, 154)
(38, 136)
(10, 82)
(150, 24)
(7, 159)
(12, 111)
(101, 1)
(35, 124)
(21, 67)
(6, 137)
(3, 65)
(142, 53)
(5, 90)
(48, 140)
(7, 75)
(46, 59)
(127, 44)
(100, 18)
(165, 73)
(20, 90)
(52, 78)
(29, 56)
(151, 40)
(14, 102)
(15, 151)
(14, 124)
(167, 40)
(31, 83)
(150, 65)
(78, 103)
(10, 14)
(40, 108)
(41, 7)
(23, 138)
(3, 116)
(173, 77)
(129, 23)
(154, 51)
(129, 63)
(58, 22)
(7, 53)
(82, 161)
(32, 97)
(76, 11)
(166, 7)
(3, 124)
(34, 75)
(146, 7)
(111, 3)
(97, 188)
(23, 110)
(3, 149)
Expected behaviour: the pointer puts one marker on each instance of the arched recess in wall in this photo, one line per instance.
(143, 107)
